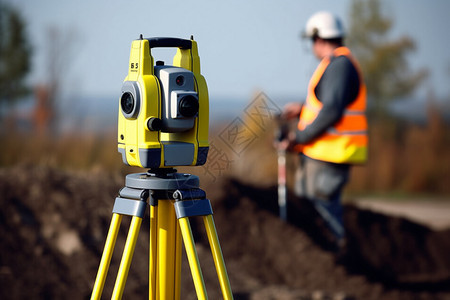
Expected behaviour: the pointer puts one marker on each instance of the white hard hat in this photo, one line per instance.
(325, 25)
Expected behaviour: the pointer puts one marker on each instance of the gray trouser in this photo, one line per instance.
(322, 183)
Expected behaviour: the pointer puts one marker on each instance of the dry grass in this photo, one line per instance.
(69, 151)
(404, 158)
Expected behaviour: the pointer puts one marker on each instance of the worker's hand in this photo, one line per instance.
(288, 143)
(291, 111)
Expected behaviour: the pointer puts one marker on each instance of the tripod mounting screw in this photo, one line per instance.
(190, 194)
(177, 195)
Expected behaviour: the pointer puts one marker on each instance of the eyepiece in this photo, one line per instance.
(188, 106)
(127, 102)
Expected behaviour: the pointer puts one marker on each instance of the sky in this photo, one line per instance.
(244, 46)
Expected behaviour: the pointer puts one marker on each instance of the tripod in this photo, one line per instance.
(173, 198)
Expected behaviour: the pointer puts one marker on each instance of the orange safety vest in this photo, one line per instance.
(346, 141)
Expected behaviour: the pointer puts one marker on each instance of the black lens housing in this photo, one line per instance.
(127, 102)
(188, 106)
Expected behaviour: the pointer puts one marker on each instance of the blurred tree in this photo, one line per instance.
(15, 56)
(383, 60)
(60, 53)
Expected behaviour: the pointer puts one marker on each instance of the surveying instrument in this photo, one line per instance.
(163, 123)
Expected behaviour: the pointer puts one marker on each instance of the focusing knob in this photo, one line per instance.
(154, 124)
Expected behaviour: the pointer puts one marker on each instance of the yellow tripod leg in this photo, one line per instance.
(193, 258)
(166, 250)
(178, 247)
(153, 252)
(127, 256)
(218, 257)
(106, 257)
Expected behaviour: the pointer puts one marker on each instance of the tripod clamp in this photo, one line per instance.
(131, 202)
(191, 203)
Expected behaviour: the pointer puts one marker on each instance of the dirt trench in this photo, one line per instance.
(53, 224)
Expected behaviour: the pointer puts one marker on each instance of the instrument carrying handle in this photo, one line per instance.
(168, 42)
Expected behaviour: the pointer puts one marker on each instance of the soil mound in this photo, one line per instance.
(53, 226)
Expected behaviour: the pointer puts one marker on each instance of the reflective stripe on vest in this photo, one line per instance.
(346, 141)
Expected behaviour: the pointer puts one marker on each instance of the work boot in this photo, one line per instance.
(340, 251)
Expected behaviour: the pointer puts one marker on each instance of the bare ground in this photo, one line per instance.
(53, 225)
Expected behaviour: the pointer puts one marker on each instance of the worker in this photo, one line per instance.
(331, 134)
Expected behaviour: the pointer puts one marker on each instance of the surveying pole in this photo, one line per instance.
(281, 133)
(282, 189)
